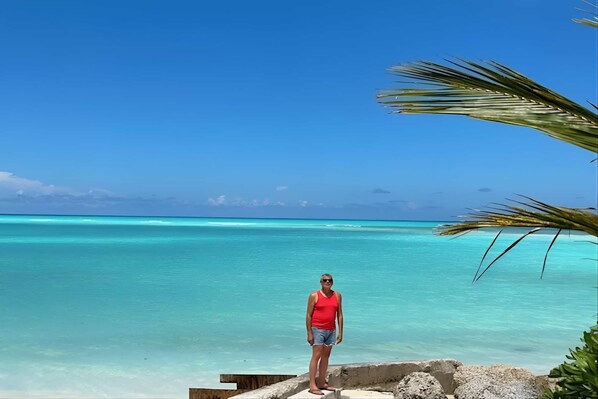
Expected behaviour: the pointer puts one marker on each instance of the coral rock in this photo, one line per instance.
(419, 385)
(496, 382)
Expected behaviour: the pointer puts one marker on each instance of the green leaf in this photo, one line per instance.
(494, 92)
(579, 378)
(532, 213)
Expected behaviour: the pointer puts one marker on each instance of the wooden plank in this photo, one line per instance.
(254, 381)
(213, 393)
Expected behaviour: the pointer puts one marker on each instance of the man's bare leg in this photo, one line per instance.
(316, 357)
(323, 367)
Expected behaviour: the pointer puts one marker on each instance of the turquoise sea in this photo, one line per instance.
(145, 307)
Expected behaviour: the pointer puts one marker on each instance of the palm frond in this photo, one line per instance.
(548, 250)
(484, 257)
(587, 21)
(510, 247)
(494, 92)
(531, 214)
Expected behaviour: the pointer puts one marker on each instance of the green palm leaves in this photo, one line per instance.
(593, 22)
(492, 92)
(534, 214)
(531, 214)
(587, 21)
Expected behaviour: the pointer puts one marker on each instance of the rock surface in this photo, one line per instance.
(385, 376)
(496, 382)
(419, 385)
(465, 381)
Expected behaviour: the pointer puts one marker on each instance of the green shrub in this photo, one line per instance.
(579, 378)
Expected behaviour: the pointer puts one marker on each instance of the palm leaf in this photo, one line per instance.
(484, 257)
(548, 250)
(587, 21)
(510, 247)
(493, 92)
(531, 214)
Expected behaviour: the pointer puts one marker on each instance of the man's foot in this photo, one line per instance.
(315, 391)
(328, 388)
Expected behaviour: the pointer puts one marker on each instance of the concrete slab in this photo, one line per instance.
(348, 394)
(359, 394)
(362, 377)
(327, 395)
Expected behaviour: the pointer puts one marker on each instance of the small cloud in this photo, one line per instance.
(11, 184)
(380, 191)
(303, 203)
(282, 188)
(484, 190)
(217, 201)
(15, 186)
(242, 202)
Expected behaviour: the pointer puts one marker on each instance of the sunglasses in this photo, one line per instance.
(327, 280)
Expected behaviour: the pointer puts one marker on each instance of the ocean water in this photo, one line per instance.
(134, 307)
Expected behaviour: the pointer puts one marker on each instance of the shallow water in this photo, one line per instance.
(148, 307)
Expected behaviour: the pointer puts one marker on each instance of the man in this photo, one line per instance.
(324, 308)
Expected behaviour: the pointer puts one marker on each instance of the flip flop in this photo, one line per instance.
(315, 392)
(329, 388)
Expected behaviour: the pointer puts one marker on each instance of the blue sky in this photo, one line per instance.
(268, 109)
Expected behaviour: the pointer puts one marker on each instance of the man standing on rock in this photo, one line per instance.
(324, 322)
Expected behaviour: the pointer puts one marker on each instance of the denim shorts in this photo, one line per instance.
(324, 337)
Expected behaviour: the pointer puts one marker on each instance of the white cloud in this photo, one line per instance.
(11, 184)
(303, 203)
(221, 200)
(241, 202)
(23, 195)
(282, 188)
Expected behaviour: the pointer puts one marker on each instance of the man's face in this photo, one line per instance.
(326, 281)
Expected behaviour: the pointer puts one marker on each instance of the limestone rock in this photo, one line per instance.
(419, 385)
(496, 382)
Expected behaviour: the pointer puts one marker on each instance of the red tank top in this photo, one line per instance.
(324, 314)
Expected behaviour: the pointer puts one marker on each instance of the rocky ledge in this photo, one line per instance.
(428, 379)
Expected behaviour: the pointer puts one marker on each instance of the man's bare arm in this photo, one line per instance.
(339, 318)
(311, 302)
